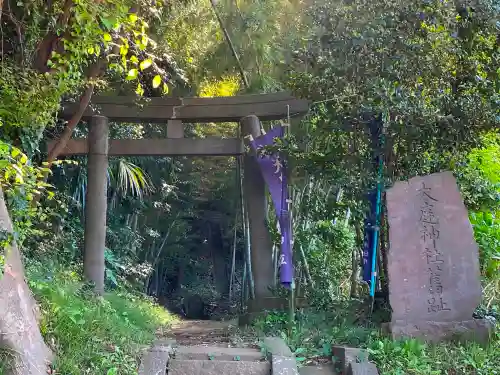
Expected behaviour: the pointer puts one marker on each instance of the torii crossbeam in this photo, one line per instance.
(175, 111)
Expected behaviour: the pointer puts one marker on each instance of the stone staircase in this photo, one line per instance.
(210, 360)
(317, 370)
(166, 357)
(201, 348)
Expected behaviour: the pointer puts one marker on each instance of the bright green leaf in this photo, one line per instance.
(108, 24)
(139, 90)
(123, 49)
(15, 152)
(156, 81)
(146, 64)
(132, 74)
(107, 37)
(132, 17)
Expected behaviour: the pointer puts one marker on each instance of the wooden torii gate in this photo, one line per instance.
(248, 110)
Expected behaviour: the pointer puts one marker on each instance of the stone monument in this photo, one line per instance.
(432, 262)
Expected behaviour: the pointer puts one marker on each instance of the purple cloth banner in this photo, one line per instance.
(273, 170)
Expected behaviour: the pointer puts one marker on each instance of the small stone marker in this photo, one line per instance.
(343, 356)
(362, 368)
(433, 261)
(282, 359)
(155, 360)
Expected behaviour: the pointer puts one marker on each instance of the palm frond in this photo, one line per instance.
(80, 188)
(132, 179)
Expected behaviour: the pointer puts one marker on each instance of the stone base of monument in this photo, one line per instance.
(476, 330)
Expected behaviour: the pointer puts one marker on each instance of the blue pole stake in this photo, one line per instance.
(376, 229)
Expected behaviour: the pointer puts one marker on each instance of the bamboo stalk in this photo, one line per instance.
(233, 263)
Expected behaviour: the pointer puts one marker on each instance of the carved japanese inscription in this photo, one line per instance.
(429, 235)
(433, 264)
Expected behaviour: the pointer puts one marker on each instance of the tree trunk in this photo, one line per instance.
(19, 332)
(219, 260)
(356, 261)
(1, 9)
(65, 136)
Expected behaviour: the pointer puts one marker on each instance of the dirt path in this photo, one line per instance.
(208, 332)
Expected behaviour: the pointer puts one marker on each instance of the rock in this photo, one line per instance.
(282, 359)
(344, 355)
(19, 331)
(362, 368)
(317, 370)
(207, 367)
(282, 365)
(433, 262)
(154, 362)
(277, 346)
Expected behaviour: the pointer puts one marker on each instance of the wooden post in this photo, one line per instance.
(96, 202)
(255, 197)
(175, 129)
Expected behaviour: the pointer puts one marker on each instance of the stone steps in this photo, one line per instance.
(317, 370)
(208, 367)
(213, 360)
(165, 357)
(200, 352)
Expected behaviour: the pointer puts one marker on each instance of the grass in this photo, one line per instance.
(4, 357)
(315, 331)
(414, 357)
(92, 335)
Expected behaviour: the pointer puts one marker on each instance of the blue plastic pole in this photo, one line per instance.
(376, 229)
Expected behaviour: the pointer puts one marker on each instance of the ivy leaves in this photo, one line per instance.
(109, 31)
(134, 74)
(146, 64)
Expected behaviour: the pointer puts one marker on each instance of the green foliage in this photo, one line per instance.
(414, 357)
(479, 181)
(91, 335)
(478, 175)
(132, 179)
(487, 232)
(29, 101)
(315, 331)
(328, 250)
(20, 182)
(428, 69)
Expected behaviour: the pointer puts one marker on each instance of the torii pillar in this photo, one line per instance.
(255, 197)
(96, 202)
